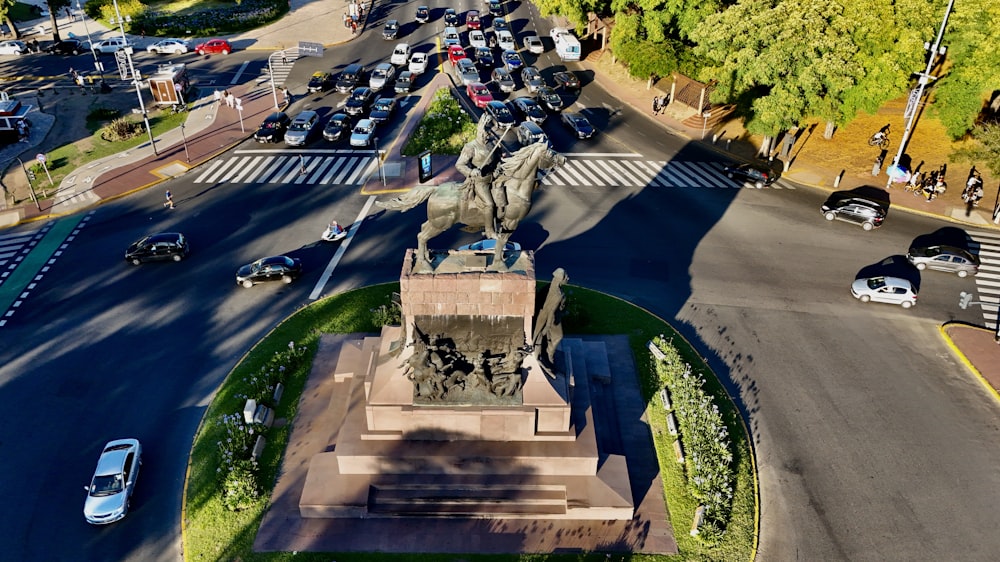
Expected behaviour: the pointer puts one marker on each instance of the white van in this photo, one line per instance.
(567, 46)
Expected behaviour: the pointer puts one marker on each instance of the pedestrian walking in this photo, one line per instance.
(287, 93)
(284, 58)
(354, 27)
(169, 203)
(217, 95)
(347, 20)
(230, 99)
(302, 165)
(656, 105)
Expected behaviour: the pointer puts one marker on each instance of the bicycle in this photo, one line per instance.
(879, 139)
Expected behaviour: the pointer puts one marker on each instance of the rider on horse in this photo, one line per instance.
(476, 163)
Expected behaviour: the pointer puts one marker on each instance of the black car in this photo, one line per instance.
(502, 116)
(423, 14)
(530, 110)
(580, 125)
(349, 77)
(66, 47)
(549, 98)
(382, 109)
(759, 177)
(566, 80)
(496, 8)
(390, 30)
(359, 101)
(320, 81)
(157, 247)
(846, 206)
(276, 268)
(451, 18)
(273, 128)
(404, 82)
(484, 56)
(336, 126)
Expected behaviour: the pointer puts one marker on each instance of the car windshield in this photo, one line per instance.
(270, 125)
(378, 73)
(106, 485)
(255, 266)
(362, 129)
(348, 76)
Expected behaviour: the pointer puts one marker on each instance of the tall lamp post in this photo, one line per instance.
(918, 94)
(98, 65)
(135, 77)
(270, 71)
(378, 161)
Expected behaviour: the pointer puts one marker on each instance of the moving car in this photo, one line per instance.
(13, 47)
(566, 80)
(302, 128)
(157, 247)
(473, 20)
(320, 81)
(484, 57)
(892, 290)
(532, 79)
(530, 110)
(382, 109)
(512, 60)
(109, 494)
(502, 116)
(110, 45)
(335, 127)
(455, 52)
(479, 94)
(390, 30)
(275, 268)
(169, 46)
(423, 14)
(214, 47)
(579, 124)
(418, 63)
(349, 77)
(404, 82)
(944, 258)
(549, 99)
(843, 205)
(476, 38)
(363, 133)
(757, 176)
(66, 47)
(502, 78)
(273, 128)
(534, 44)
(529, 133)
(466, 71)
(451, 17)
(400, 54)
(505, 39)
(357, 103)
(496, 8)
(500, 24)
(383, 74)
(450, 37)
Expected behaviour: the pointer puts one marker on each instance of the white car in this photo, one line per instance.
(110, 490)
(477, 39)
(400, 54)
(110, 45)
(13, 48)
(418, 63)
(362, 133)
(169, 46)
(892, 290)
(505, 40)
(534, 44)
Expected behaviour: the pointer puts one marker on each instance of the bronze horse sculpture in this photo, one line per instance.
(447, 204)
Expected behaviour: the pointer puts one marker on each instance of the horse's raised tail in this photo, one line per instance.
(408, 200)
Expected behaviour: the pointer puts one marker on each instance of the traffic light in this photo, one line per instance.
(964, 299)
(31, 175)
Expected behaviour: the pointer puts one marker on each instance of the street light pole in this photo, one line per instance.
(915, 96)
(185, 141)
(704, 126)
(135, 78)
(98, 66)
(274, 88)
(378, 161)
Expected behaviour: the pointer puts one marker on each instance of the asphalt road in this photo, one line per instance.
(872, 441)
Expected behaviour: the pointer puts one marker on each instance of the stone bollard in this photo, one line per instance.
(836, 180)
(728, 142)
(699, 519)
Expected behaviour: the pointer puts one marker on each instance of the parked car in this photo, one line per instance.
(214, 47)
(13, 47)
(455, 52)
(473, 20)
(566, 80)
(578, 124)
(275, 268)
(359, 100)
(363, 133)
(383, 74)
(418, 63)
(273, 128)
(319, 82)
(111, 45)
(169, 47)
(303, 127)
(944, 258)
(505, 39)
(476, 38)
(532, 79)
(404, 82)
(859, 210)
(759, 177)
(390, 30)
(109, 494)
(484, 57)
(479, 94)
(450, 37)
(529, 133)
(423, 14)
(335, 127)
(400, 54)
(892, 290)
(549, 99)
(451, 17)
(512, 60)
(382, 110)
(349, 77)
(66, 47)
(502, 78)
(466, 71)
(161, 246)
(534, 44)
(502, 116)
(530, 109)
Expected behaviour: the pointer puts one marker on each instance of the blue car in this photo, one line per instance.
(512, 60)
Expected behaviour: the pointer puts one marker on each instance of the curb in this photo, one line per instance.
(962, 357)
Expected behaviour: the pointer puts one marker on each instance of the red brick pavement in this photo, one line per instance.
(979, 349)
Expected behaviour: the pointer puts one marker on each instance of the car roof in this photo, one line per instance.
(533, 128)
(306, 115)
(895, 282)
(353, 67)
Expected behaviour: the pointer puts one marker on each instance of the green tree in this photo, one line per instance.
(986, 137)
(5, 6)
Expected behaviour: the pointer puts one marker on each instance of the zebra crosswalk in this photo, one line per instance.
(638, 172)
(329, 167)
(13, 248)
(988, 278)
(280, 67)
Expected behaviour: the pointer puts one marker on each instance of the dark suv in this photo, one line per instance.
(158, 247)
(349, 78)
(66, 47)
(759, 177)
(859, 210)
(273, 128)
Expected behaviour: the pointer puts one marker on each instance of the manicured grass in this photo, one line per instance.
(213, 533)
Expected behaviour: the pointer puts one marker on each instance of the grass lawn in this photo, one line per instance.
(213, 533)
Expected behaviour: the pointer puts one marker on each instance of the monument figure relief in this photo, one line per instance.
(548, 326)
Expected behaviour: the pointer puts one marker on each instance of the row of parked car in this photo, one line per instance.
(75, 46)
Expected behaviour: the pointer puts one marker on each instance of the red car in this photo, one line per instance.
(214, 47)
(456, 52)
(479, 94)
(472, 20)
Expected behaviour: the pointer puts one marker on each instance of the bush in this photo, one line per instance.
(120, 129)
(248, 14)
(445, 128)
(241, 487)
